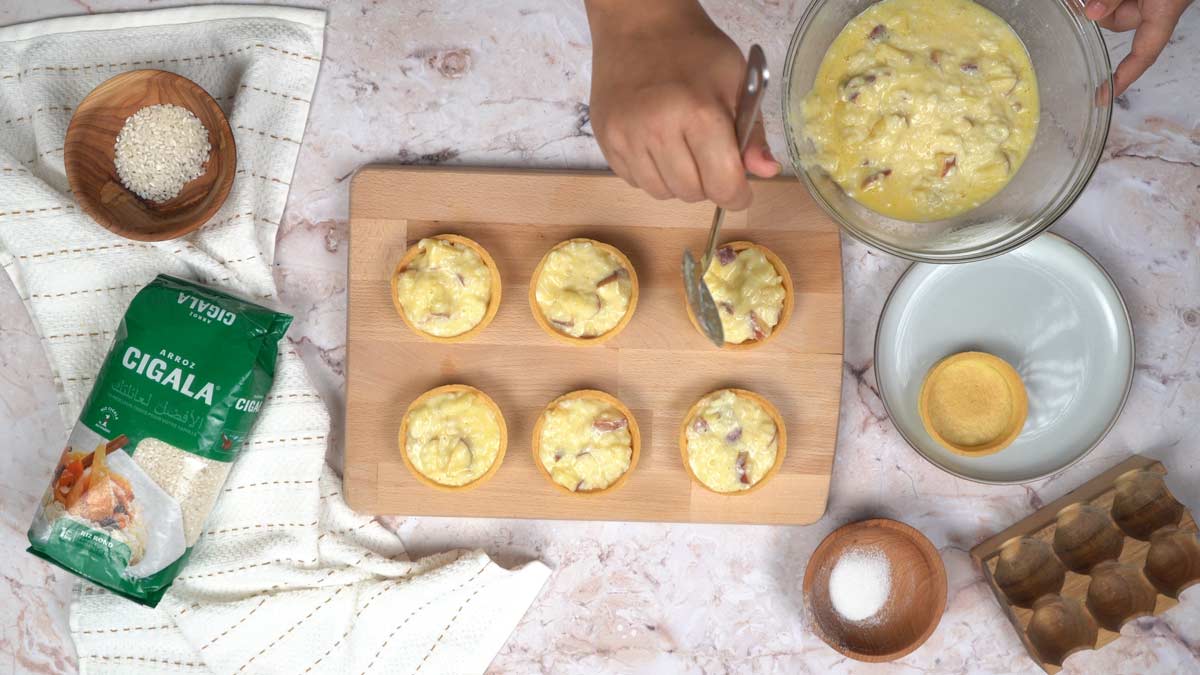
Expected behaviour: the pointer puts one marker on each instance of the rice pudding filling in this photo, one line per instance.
(748, 291)
(445, 290)
(453, 438)
(585, 444)
(583, 290)
(732, 442)
(923, 109)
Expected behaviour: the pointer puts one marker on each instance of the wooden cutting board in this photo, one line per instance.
(658, 366)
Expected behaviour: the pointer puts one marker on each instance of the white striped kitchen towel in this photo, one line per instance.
(286, 579)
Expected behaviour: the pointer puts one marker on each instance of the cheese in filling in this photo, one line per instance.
(583, 290)
(748, 291)
(731, 442)
(923, 109)
(585, 444)
(446, 289)
(453, 438)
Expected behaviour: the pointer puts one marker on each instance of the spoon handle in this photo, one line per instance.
(754, 85)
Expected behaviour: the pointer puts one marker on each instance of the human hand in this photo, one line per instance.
(1153, 22)
(664, 90)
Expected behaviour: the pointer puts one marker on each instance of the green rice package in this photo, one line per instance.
(185, 378)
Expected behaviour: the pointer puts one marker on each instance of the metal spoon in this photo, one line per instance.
(754, 84)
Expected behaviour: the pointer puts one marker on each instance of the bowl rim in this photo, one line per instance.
(222, 187)
(1129, 372)
(928, 551)
(997, 247)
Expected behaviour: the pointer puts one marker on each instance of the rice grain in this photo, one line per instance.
(192, 480)
(159, 149)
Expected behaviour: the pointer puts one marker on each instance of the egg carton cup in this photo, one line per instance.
(1115, 549)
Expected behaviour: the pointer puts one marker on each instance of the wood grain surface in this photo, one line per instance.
(658, 366)
(89, 150)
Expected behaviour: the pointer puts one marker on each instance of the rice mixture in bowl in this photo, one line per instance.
(923, 109)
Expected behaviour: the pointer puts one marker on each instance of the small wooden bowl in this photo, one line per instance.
(780, 442)
(595, 339)
(913, 609)
(493, 302)
(789, 296)
(635, 435)
(451, 389)
(89, 152)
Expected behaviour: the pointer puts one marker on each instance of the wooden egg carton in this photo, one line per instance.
(1070, 575)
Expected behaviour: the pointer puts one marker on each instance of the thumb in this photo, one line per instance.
(758, 158)
(1098, 9)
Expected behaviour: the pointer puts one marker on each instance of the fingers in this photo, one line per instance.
(1126, 17)
(647, 177)
(757, 157)
(662, 169)
(691, 156)
(1098, 9)
(616, 159)
(619, 167)
(1148, 42)
(678, 169)
(710, 137)
(633, 163)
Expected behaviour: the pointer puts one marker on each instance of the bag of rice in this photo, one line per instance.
(178, 392)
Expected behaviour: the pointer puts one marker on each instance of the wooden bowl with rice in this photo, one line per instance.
(176, 160)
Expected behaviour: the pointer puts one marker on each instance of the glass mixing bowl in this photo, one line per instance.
(1074, 80)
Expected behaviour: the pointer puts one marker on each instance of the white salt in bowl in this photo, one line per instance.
(915, 599)
(89, 156)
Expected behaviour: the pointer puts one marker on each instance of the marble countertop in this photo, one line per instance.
(428, 81)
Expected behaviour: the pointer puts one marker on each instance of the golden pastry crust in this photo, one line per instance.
(973, 404)
(729, 283)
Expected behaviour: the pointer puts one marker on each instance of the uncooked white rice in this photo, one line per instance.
(161, 148)
(192, 480)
